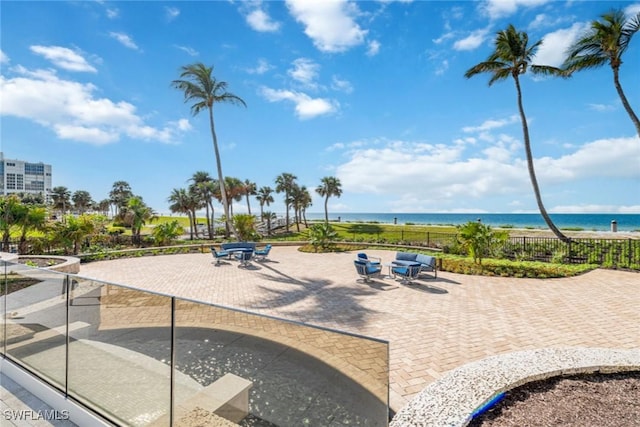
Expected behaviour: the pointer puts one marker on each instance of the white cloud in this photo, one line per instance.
(472, 41)
(442, 68)
(189, 50)
(262, 67)
(385, 167)
(329, 23)
(73, 112)
(632, 9)
(63, 57)
(491, 124)
(341, 85)
(305, 106)
(501, 8)
(259, 20)
(4, 59)
(374, 48)
(113, 13)
(554, 45)
(595, 209)
(304, 71)
(602, 107)
(124, 39)
(171, 13)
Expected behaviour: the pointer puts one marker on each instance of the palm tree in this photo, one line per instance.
(200, 86)
(330, 186)
(61, 199)
(81, 201)
(249, 189)
(603, 43)
(184, 202)
(31, 218)
(137, 214)
(10, 214)
(203, 186)
(511, 58)
(235, 191)
(119, 196)
(284, 184)
(264, 197)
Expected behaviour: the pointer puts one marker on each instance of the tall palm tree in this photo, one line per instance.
(203, 186)
(511, 58)
(182, 201)
(119, 196)
(205, 90)
(264, 197)
(235, 191)
(81, 201)
(603, 43)
(249, 189)
(284, 184)
(61, 197)
(330, 186)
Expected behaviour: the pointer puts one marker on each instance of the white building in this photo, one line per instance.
(19, 176)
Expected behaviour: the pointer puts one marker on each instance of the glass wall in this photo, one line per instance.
(144, 359)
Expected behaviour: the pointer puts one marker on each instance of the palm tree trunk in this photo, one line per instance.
(532, 172)
(326, 209)
(248, 204)
(223, 192)
(623, 98)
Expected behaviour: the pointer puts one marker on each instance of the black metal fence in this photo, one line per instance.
(609, 253)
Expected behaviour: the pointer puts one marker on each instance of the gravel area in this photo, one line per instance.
(603, 400)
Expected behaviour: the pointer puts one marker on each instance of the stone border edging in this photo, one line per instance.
(451, 400)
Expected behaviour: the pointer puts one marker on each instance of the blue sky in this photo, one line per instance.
(371, 92)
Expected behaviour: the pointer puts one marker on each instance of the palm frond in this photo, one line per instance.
(547, 70)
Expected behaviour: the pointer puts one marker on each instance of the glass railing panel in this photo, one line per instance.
(36, 320)
(120, 352)
(259, 370)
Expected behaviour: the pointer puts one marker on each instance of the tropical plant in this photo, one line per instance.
(264, 197)
(249, 189)
(199, 86)
(480, 240)
(74, 230)
(81, 201)
(119, 196)
(184, 202)
(245, 225)
(103, 206)
(330, 186)
(30, 218)
(512, 58)
(605, 42)
(284, 184)
(322, 236)
(167, 232)
(269, 216)
(301, 200)
(235, 191)
(10, 212)
(204, 187)
(136, 215)
(61, 197)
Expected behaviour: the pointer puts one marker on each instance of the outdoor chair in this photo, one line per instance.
(261, 254)
(219, 254)
(372, 259)
(406, 272)
(366, 270)
(244, 257)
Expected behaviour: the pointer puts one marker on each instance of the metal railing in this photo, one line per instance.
(140, 358)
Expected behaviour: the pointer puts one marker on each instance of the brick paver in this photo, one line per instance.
(433, 326)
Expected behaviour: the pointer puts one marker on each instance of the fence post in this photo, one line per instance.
(630, 253)
(402, 235)
(428, 240)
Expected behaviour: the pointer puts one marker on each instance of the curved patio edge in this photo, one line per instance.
(451, 400)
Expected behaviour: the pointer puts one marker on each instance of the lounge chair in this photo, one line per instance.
(367, 270)
(261, 254)
(219, 254)
(244, 257)
(372, 259)
(406, 272)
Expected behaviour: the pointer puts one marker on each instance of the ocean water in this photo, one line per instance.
(587, 222)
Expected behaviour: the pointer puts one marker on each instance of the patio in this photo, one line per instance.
(433, 327)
